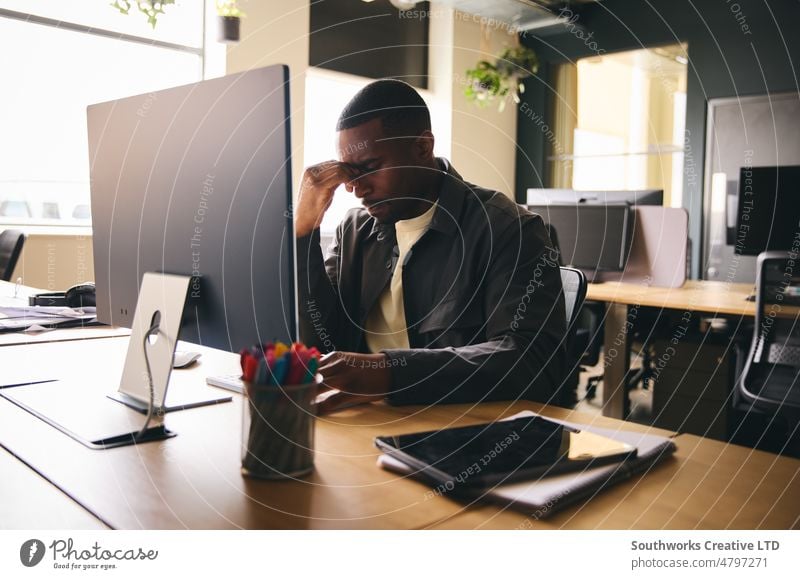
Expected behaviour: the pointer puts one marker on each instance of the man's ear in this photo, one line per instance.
(423, 146)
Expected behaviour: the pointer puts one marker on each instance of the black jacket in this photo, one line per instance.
(482, 293)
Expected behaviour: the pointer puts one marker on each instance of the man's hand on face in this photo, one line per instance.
(353, 379)
(316, 193)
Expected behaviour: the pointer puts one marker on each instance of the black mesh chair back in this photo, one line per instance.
(11, 242)
(770, 380)
(574, 283)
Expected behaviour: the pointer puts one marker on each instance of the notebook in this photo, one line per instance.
(546, 495)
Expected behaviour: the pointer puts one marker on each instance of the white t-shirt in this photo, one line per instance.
(386, 323)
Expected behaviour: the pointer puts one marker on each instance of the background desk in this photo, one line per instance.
(708, 297)
(13, 295)
(193, 480)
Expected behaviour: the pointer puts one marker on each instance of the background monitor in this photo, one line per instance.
(768, 214)
(195, 180)
(567, 196)
(591, 237)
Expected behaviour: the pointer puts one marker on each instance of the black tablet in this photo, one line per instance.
(488, 454)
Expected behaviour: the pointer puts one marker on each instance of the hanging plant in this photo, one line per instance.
(151, 8)
(489, 81)
(228, 21)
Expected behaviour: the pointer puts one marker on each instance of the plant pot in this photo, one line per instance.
(228, 28)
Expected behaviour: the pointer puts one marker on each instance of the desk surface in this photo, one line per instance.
(707, 484)
(27, 501)
(193, 480)
(713, 297)
(62, 335)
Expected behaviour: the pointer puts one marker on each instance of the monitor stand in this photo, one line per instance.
(154, 335)
(81, 411)
(202, 396)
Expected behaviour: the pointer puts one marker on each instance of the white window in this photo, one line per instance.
(326, 95)
(59, 57)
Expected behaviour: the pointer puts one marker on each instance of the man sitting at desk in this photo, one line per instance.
(434, 291)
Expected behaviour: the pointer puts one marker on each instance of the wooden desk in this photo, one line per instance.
(713, 298)
(62, 335)
(11, 294)
(706, 485)
(193, 481)
(27, 501)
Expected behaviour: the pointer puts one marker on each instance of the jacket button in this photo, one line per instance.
(389, 264)
(381, 236)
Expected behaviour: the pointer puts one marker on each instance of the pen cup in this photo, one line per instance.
(278, 430)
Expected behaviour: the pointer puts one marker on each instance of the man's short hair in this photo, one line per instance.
(400, 108)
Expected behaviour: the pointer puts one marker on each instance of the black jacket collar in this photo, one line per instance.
(451, 198)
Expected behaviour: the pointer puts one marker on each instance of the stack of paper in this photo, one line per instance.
(38, 318)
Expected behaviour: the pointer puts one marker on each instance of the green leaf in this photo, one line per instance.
(488, 81)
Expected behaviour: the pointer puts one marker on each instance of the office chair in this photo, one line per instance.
(770, 380)
(586, 327)
(574, 284)
(11, 242)
(588, 338)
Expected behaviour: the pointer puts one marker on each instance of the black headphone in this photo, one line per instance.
(79, 296)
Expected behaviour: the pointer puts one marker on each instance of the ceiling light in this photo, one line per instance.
(403, 4)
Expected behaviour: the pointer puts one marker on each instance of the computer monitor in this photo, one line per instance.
(568, 196)
(591, 237)
(195, 180)
(768, 214)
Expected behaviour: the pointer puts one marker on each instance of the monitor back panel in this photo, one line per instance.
(195, 180)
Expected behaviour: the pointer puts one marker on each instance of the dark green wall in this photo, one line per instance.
(724, 61)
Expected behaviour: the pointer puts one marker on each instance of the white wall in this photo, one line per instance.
(483, 139)
(277, 33)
